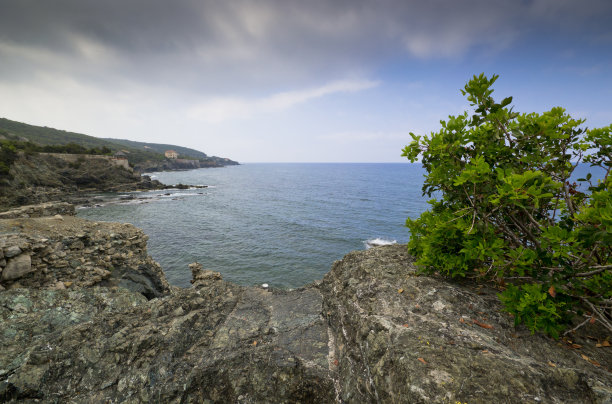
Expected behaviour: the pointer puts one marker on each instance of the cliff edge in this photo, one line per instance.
(371, 331)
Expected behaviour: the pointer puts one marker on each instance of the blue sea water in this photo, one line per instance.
(281, 224)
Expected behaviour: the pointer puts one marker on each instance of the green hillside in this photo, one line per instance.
(43, 135)
(137, 152)
(160, 148)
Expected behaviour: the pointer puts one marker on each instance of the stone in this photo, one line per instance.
(445, 341)
(17, 267)
(12, 251)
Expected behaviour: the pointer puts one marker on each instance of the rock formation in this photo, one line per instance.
(65, 251)
(38, 178)
(371, 331)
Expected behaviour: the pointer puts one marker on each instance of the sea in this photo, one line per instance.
(279, 224)
(274, 223)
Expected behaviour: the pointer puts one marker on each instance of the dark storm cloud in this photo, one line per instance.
(226, 45)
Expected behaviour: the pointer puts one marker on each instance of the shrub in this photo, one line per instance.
(509, 209)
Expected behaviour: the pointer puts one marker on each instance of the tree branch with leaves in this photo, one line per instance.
(509, 210)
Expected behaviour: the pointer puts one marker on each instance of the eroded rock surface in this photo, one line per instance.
(215, 341)
(371, 331)
(66, 251)
(416, 339)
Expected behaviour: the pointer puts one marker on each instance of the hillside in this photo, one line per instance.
(139, 154)
(160, 148)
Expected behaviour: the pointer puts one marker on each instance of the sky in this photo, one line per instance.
(295, 80)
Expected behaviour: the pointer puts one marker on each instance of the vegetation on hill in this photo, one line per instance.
(184, 152)
(10, 148)
(138, 153)
(510, 211)
(43, 136)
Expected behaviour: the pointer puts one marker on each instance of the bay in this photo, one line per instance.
(275, 223)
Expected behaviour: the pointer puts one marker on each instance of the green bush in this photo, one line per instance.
(508, 209)
(8, 155)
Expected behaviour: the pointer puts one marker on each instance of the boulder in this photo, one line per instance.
(17, 267)
(215, 342)
(12, 251)
(401, 337)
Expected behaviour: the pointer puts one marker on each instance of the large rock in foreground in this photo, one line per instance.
(415, 339)
(215, 341)
(371, 331)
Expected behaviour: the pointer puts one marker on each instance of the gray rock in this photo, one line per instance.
(372, 331)
(215, 341)
(401, 337)
(17, 267)
(60, 256)
(12, 251)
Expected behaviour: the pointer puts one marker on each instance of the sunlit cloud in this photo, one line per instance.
(224, 108)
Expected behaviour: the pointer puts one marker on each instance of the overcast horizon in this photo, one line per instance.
(295, 81)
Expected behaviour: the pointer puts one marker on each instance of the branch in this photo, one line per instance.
(578, 326)
(533, 221)
(518, 224)
(600, 316)
(597, 269)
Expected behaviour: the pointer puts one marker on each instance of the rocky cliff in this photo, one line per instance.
(371, 331)
(184, 164)
(37, 178)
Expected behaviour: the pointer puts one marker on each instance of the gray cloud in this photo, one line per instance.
(240, 45)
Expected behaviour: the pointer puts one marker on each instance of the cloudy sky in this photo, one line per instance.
(294, 80)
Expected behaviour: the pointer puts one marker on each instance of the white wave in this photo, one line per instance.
(377, 242)
(175, 194)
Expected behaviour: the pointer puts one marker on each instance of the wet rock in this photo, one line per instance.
(17, 267)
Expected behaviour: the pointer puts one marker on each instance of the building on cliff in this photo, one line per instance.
(171, 154)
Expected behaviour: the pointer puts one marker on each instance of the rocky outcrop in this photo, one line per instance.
(215, 341)
(416, 339)
(66, 251)
(184, 164)
(38, 178)
(371, 331)
(40, 210)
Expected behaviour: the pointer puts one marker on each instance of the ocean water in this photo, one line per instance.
(281, 224)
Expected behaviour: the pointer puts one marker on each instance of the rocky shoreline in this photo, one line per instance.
(88, 316)
(40, 178)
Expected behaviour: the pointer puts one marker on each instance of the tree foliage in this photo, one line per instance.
(509, 209)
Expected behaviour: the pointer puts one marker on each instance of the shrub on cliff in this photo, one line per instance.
(8, 154)
(510, 210)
